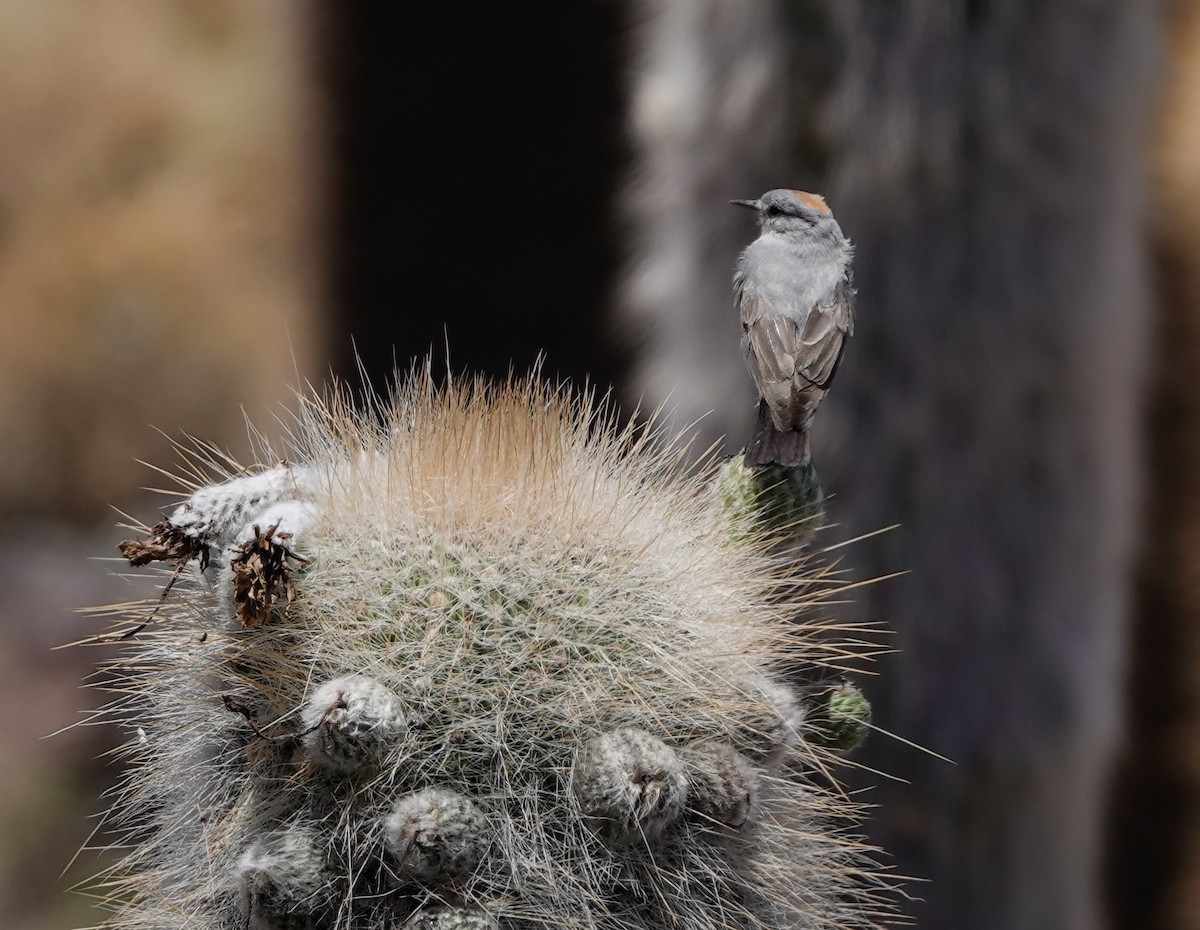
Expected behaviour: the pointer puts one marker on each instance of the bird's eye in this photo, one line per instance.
(773, 211)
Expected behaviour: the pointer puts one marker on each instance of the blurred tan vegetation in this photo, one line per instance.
(157, 163)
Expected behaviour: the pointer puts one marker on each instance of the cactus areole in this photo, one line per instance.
(479, 658)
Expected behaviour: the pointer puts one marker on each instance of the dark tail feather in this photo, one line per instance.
(768, 444)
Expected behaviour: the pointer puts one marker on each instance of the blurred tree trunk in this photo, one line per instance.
(988, 160)
(1154, 861)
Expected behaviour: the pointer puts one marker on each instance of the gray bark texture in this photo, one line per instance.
(988, 160)
(1153, 874)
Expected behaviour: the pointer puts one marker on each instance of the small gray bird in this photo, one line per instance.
(795, 293)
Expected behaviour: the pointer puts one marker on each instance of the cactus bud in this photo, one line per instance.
(630, 785)
(838, 717)
(721, 783)
(284, 881)
(351, 723)
(452, 918)
(435, 834)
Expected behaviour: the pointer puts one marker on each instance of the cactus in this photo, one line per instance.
(781, 504)
(481, 658)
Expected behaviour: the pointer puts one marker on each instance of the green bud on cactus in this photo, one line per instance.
(838, 718)
(736, 493)
(790, 498)
(769, 501)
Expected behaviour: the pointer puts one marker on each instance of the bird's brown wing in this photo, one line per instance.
(824, 335)
(794, 363)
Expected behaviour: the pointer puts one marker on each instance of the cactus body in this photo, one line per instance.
(487, 661)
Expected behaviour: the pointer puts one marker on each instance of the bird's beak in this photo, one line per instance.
(752, 204)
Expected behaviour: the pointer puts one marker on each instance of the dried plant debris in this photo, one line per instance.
(261, 573)
(165, 542)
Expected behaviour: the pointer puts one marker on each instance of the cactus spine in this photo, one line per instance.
(480, 659)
